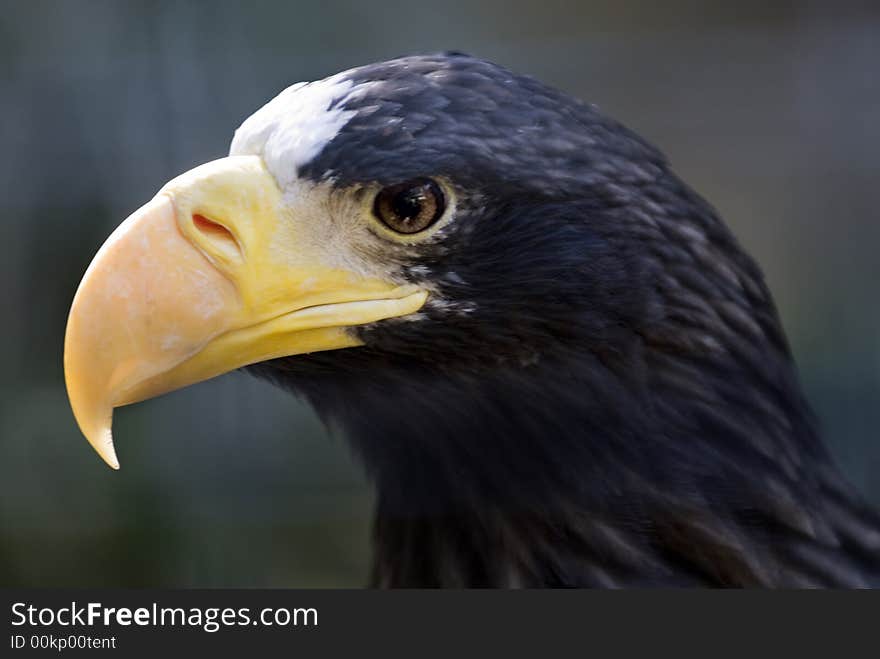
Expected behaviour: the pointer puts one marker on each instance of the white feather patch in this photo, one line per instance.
(294, 127)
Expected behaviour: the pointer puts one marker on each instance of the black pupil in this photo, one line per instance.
(408, 204)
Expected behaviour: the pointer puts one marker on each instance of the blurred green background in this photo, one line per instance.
(771, 110)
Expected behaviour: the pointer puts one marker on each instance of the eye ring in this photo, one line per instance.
(411, 206)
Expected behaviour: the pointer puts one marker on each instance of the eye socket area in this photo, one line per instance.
(411, 206)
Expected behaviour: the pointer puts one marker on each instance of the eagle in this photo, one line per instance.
(556, 363)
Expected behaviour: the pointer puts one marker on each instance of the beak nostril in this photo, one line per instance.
(218, 234)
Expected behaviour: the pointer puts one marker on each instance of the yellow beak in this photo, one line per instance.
(211, 275)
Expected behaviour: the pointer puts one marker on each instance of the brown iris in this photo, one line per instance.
(411, 206)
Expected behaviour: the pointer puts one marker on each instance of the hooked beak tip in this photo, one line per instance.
(103, 445)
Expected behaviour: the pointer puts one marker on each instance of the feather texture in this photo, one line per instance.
(601, 393)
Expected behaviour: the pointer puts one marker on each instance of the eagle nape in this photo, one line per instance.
(557, 364)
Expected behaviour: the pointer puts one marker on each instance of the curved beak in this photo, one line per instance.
(210, 275)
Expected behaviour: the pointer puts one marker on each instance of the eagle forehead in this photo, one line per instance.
(293, 128)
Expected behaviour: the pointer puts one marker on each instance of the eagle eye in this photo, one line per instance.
(411, 206)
